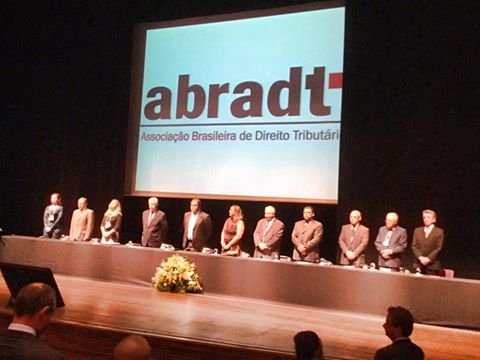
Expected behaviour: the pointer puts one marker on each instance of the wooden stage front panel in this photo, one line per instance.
(432, 300)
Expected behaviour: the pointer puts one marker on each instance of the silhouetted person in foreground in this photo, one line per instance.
(33, 308)
(133, 347)
(308, 346)
(398, 327)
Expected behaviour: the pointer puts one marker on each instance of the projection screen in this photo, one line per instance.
(239, 106)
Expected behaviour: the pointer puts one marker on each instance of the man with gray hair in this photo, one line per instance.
(268, 235)
(391, 242)
(154, 224)
(427, 244)
(33, 308)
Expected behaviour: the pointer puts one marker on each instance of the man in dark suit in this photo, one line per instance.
(268, 235)
(154, 224)
(391, 242)
(427, 244)
(398, 327)
(34, 306)
(197, 227)
(353, 240)
(306, 237)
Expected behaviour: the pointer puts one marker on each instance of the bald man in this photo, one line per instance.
(353, 241)
(83, 218)
(391, 242)
(133, 347)
(268, 235)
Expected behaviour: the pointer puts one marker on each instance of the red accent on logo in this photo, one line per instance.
(335, 80)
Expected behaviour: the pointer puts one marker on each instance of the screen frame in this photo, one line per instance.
(137, 74)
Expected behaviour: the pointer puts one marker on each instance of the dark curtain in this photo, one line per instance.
(409, 122)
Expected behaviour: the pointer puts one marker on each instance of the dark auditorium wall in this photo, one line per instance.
(409, 123)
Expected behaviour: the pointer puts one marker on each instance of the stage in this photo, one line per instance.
(432, 300)
(182, 326)
(250, 309)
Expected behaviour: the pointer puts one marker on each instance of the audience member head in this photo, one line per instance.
(399, 323)
(55, 199)
(429, 217)
(391, 220)
(235, 212)
(195, 206)
(270, 213)
(355, 217)
(308, 345)
(308, 213)
(34, 306)
(133, 347)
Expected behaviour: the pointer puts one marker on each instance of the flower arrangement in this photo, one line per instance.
(176, 274)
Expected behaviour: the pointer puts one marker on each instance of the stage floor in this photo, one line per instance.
(234, 322)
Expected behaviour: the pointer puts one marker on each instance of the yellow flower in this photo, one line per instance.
(177, 274)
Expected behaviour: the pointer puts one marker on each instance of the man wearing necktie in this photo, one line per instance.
(154, 224)
(353, 240)
(427, 244)
(306, 237)
(391, 242)
(268, 235)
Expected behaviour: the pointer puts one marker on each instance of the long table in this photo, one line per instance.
(432, 300)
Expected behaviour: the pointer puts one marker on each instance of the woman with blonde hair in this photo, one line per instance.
(52, 217)
(112, 219)
(232, 232)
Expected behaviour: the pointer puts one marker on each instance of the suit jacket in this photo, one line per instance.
(21, 345)
(403, 349)
(81, 226)
(397, 243)
(271, 238)
(155, 233)
(429, 247)
(202, 231)
(309, 235)
(355, 241)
